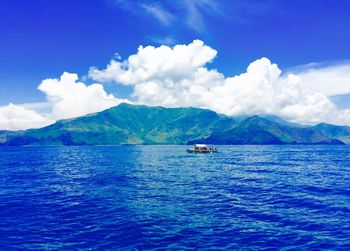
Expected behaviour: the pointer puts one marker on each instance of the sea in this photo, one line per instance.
(162, 198)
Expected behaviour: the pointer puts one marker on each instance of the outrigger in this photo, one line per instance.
(202, 148)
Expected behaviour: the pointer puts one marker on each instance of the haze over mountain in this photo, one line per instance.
(138, 124)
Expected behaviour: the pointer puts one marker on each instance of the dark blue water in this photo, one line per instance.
(149, 197)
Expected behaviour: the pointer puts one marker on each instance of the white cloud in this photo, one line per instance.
(157, 63)
(66, 98)
(167, 40)
(69, 98)
(330, 80)
(15, 117)
(177, 76)
(187, 12)
(163, 16)
(194, 9)
(42, 108)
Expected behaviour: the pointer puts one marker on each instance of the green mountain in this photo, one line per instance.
(257, 130)
(7, 135)
(134, 124)
(338, 132)
(277, 119)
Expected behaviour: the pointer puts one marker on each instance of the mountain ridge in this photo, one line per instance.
(140, 124)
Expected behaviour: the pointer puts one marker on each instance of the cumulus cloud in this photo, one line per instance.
(66, 98)
(14, 117)
(178, 76)
(157, 63)
(69, 98)
(330, 80)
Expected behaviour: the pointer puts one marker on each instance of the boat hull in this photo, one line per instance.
(201, 151)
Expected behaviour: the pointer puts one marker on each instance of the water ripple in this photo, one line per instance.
(160, 197)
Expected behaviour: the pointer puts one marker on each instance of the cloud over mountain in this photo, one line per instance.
(157, 63)
(66, 98)
(331, 80)
(178, 76)
(69, 98)
(14, 117)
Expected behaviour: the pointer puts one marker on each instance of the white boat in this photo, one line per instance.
(202, 148)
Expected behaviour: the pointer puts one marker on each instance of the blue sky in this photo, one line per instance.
(41, 39)
(297, 52)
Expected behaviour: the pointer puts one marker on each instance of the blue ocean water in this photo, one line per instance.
(160, 197)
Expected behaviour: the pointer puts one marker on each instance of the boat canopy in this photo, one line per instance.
(200, 145)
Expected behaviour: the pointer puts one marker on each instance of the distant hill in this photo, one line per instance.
(338, 132)
(137, 124)
(6, 135)
(257, 130)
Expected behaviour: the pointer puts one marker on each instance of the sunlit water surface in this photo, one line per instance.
(149, 197)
